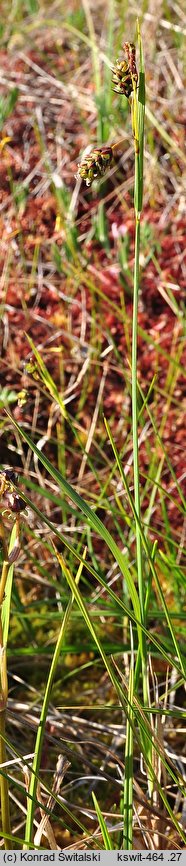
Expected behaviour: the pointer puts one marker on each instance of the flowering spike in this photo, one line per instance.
(130, 51)
(121, 77)
(95, 164)
(124, 73)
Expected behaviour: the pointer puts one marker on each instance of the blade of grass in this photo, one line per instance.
(41, 726)
(138, 126)
(103, 827)
(141, 720)
(180, 656)
(5, 602)
(128, 780)
(125, 701)
(92, 518)
(89, 623)
(118, 602)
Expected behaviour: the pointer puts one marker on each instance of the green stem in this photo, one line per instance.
(139, 554)
(5, 602)
(3, 580)
(135, 412)
(5, 815)
(41, 728)
(128, 781)
(138, 107)
(138, 110)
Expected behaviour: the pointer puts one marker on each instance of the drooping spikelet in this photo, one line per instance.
(95, 164)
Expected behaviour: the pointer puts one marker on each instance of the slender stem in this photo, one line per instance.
(3, 580)
(129, 750)
(138, 110)
(141, 657)
(138, 194)
(135, 417)
(139, 553)
(5, 601)
(39, 744)
(5, 815)
(137, 116)
(41, 728)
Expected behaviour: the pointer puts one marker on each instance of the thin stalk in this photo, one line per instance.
(138, 110)
(129, 749)
(138, 130)
(135, 416)
(5, 813)
(41, 727)
(139, 553)
(3, 580)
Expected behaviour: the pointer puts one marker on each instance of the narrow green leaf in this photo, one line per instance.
(92, 518)
(103, 827)
(8, 593)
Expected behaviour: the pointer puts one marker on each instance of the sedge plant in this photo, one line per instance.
(128, 82)
(125, 80)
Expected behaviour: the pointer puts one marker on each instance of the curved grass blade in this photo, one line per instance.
(41, 726)
(180, 656)
(92, 518)
(118, 602)
(103, 827)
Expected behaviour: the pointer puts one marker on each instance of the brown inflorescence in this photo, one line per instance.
(95, 164)
(124, 73)
(130, 51)
(14, 502)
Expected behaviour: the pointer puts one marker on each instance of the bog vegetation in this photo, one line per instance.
(92, 472)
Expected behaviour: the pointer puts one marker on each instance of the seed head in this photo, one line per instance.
(124, 73)
(95, 164)
(121, 78)
(130, 51)
(9, 475)
(14, 502)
